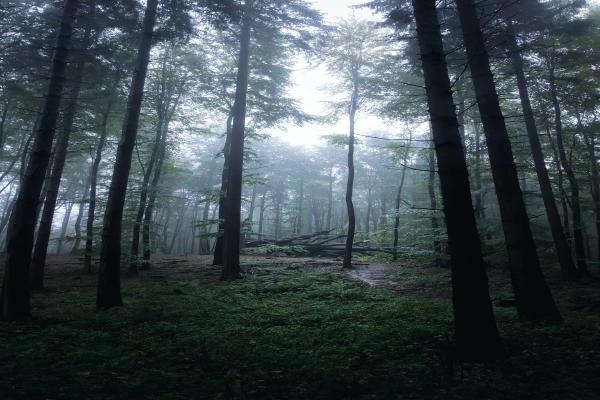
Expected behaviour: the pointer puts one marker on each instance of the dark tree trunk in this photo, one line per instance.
(590, 143)
(574, 185)
(15, 297)
(435, 225)
(533, 298)
(560, 240)
(233, 198)
(135, 242)
(476, 334)
(350, 183)
(91, 214)
(40, 249)
(109, 277)
(218, 252)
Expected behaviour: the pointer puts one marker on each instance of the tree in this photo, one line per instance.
(475, 327)
(534, 300)
(109, 292)
(15, 297)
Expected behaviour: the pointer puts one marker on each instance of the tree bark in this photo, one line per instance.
(40, 249)
(574, 185)
(109, 277)
(15, 296)
(397, 208)
(560, 240)
(218, 252)
(475, 329)
(350, 183)
(64, 227)
(91, 214)
(80, 212)
(435, 225)
(135, 242)
(153, 192)
(532, 295)
(233, 199)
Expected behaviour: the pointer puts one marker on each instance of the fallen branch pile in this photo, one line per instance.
(317, 244)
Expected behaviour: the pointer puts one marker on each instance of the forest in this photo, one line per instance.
(300, 199)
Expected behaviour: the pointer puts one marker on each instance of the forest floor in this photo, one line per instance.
(292, 328)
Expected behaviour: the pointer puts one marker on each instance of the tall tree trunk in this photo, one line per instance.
(109, 277)
(350, 183)
(91, 214)
(369, 208)
(329, 200)
(233, 199)
(15, 296)
(533, 297)
(218, 252)
(574, 185)
(475, 329)
(397, 205)
(435, 225)
(590, 143)
(153, 192)
(40, 249)
(261, 214)
(135, 242)
(479, 207)
(80, 212)
(299, 217)
(560, 240)
(64, 227)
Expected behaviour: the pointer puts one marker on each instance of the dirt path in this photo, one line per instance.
(385, 276)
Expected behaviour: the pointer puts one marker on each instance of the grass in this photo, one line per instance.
(286, 331)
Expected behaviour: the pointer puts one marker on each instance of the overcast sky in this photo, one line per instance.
(309, 87)
(309, 83)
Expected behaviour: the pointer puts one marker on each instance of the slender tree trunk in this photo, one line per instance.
(2, 123)
(575, 201)
(298, 227)
(15, 296)
(533, 297)
(261, 214)
(476, 334)
(109, 277)
(64, 227)
(135, 242)
(590, 143)
(153, 192)
(329, 200)
(233, 199)
(218, 252)
(560, 240)
(80, 212)
(369, 208)
(91, 214)
(435, 225)
(397, 208)
(479, 207)
(40, 249)
(350, 184)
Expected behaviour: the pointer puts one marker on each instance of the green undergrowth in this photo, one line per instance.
(284, 331)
